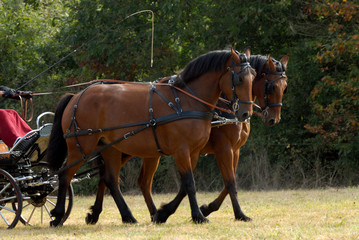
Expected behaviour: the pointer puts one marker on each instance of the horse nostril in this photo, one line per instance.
(245, 115)
(271, 122)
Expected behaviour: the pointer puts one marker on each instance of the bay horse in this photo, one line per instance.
(225, 142)
(119, 120)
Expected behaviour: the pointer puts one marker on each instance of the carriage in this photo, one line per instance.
(28, 189)
(27, 185)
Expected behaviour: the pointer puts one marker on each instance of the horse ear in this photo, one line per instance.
(270, 61)
(233, 52)
(284, 61)
(247, 51)
(271, 64)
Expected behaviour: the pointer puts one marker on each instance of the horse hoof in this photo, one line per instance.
(90, 219)
(130, 220)
(205, 210)
(200, 220)
(55, 223)
(160, 217)
(244, 218)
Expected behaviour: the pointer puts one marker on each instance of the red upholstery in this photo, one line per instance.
(12, 126)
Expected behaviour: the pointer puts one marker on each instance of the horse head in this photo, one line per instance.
(236, 84)
(274, 80)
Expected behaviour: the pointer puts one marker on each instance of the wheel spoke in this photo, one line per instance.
(10, 194)
(31, 214)
(48, 212)
(2, 216)
(4, 188)
(51, 202)
(27, 205)
(8, 209)
(8, 198)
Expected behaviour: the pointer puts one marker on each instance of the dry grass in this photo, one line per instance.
(297, 214)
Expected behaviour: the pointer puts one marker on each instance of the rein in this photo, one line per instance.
(254, 104)
(24, 109)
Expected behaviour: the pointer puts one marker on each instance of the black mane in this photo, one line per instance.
(257, 62)
(213, 61)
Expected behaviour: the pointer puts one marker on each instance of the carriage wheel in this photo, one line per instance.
(36, 211)
(9, 194)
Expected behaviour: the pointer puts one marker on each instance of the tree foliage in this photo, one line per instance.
(316, 142)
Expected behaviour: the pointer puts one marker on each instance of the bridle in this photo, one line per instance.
(236, 80)
(268, 89)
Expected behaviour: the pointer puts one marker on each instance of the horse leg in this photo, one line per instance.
(215, 205)
(96, 209)
(145, 180)
(232, 189)
(224, 157)
(64, 181)
(227, 161)
(111, 178)
(168, 209)
(187, 187)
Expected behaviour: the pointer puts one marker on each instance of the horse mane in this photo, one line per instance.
(213, 61)
(258, 61)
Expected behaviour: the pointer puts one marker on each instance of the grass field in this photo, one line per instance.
(294, 214)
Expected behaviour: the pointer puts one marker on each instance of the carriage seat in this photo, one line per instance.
(22, 145)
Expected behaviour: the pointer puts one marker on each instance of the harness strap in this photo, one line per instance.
(83, 132)
(268, 92)
(73, 122)
(152, 120)
(161, 120)
(99, 150)
(153, 89)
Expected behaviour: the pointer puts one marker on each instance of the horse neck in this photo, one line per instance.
(259, 80)
(206, 87)
(258, 86)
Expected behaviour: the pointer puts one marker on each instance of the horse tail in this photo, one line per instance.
(57, 148)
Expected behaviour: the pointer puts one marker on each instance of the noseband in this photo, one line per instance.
(236, 80)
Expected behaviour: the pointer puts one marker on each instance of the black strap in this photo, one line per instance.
(161, 120)
(99, 150)
(152, 120)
